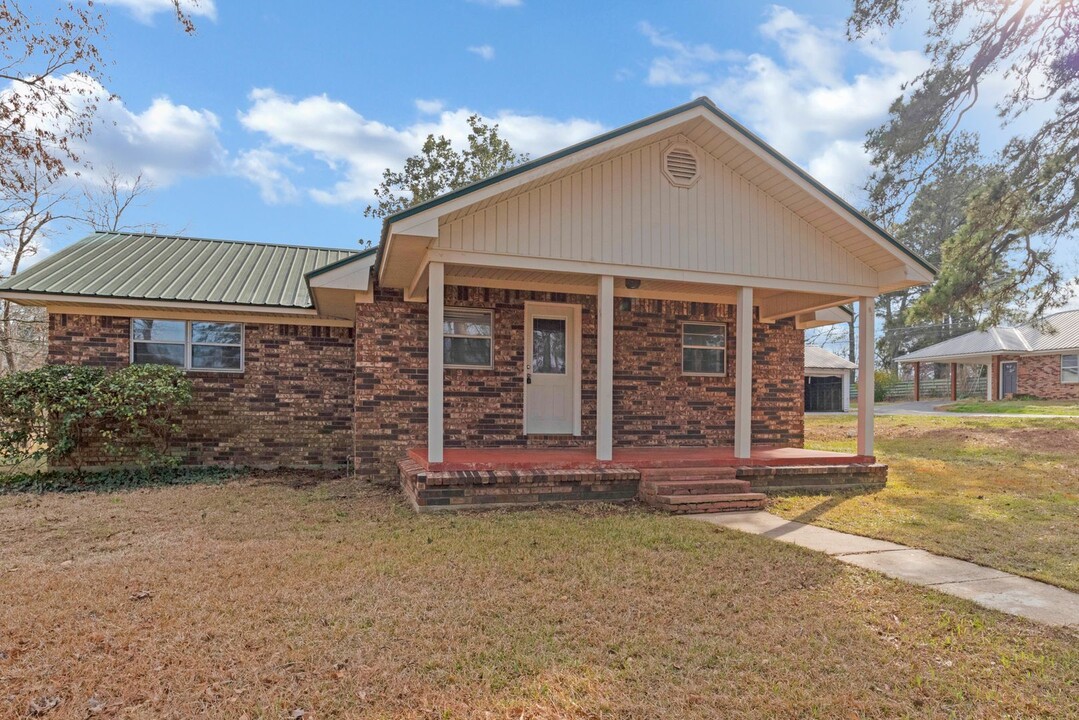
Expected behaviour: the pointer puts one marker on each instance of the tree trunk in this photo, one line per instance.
(6, 341)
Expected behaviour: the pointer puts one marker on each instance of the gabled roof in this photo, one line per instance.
(145, 266)
(817, 358)
(702, 103)
(1060, 332)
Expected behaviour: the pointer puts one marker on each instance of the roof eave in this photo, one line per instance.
(16, 295)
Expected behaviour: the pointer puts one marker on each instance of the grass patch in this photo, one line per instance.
(269, 595)
(1015, 407)
(1002, 492)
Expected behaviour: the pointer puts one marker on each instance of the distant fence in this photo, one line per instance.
(904, 389)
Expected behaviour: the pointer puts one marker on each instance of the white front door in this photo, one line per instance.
(552, 369)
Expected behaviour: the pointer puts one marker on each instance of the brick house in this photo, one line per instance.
(622, 316)
(1038, 360)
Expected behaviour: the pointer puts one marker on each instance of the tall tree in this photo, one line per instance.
(27, 217)
(440, 168)
(54, 71)
(51, 60)
(103, 206)
(1002, 259)
(935, 216)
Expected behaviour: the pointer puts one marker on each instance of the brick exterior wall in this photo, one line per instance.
(291, 407)
(1038, 376)
(654, 404)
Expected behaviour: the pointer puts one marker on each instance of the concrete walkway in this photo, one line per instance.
(988, 587)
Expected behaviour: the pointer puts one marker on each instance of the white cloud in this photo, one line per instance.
(267, 169)
(430, 107)
(842, 165)
(498, 3)
(163, 142)
(484, 51)
(802, 95)
(682, 63)
(145, 10)
(357, 149)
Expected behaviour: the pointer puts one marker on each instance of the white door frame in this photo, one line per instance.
(575, 356)
(1000, 380)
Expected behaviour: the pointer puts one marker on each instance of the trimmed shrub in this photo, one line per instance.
(883, 382)
(56, 411)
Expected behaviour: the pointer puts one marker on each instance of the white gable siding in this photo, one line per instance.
(625, 211)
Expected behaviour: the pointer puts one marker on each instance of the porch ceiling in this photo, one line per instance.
(773, 303)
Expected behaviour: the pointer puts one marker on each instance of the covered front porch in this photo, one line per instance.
(744, 319)
(674, 479)
(626, 312)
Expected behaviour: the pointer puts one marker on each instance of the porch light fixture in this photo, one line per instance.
(632, 283)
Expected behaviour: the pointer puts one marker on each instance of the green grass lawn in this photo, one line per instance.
(263, 597)
(1015, 407)
(1002, 492)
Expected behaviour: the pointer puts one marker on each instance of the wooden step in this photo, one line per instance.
(719, 502)
(688, 473)
(693, 486)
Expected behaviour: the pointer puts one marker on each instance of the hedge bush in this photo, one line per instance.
(57, 411)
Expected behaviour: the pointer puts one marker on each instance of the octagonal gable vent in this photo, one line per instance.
(680, 166)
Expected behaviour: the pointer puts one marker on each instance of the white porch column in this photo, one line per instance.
(436, 299)
(605, 369)
(989, 380)
(866, 352)
(743, 374)
(846, 391)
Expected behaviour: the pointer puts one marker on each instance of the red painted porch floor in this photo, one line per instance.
(584, 458)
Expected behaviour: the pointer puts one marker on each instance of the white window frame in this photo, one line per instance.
(188, 344)
(1076, 368)
(726, 358)
(449, 312)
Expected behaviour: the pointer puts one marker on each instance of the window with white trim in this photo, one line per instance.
(467, 338)
(704, 349)
(188, 344)
(1069, 369)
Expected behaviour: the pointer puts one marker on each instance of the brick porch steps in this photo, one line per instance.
(698, 490)
(720, 502)
(703, 486)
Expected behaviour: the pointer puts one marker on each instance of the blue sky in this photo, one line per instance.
(273, 122)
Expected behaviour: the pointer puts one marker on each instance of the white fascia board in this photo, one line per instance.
(30, 298)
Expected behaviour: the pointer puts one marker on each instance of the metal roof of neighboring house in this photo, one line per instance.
(817, 358)
(1060, 332)
(164, 267)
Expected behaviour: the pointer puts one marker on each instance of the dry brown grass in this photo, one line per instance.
(258, 598)
(1002, 492)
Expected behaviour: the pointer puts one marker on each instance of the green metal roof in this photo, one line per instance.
(144, 266)
(701, 102)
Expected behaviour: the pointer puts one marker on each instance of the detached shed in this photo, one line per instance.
(827, 381)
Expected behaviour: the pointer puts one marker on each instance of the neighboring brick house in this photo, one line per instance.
(624, 315)
(1039, 359)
